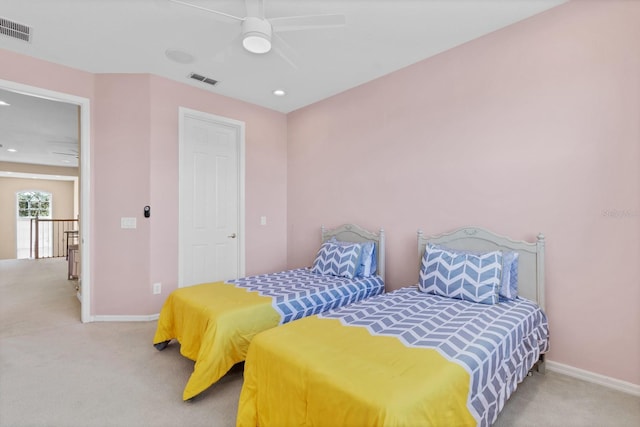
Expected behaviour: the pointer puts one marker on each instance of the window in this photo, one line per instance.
(33, 204)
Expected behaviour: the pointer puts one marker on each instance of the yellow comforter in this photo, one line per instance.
(312, 380)
(214, 323)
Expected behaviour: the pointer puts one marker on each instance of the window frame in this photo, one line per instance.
(37, 198)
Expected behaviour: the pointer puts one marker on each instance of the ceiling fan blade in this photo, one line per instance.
(297, 23)
(66, 141)
(227, 53)
(255, 8)
(284, 51)
(217, 12)
(278, 52)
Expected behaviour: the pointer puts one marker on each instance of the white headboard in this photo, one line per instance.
(530, 263)
(356, 234)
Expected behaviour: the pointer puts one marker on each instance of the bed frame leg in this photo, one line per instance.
(161, 345)
(541, 365)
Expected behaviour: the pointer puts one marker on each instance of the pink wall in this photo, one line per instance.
(535, 128)
(265, 178)
(134, 162)
(137, 135)
(120, 168)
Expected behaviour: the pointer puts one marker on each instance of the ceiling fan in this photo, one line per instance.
(65, 154)
(258, 33)
(64, 147)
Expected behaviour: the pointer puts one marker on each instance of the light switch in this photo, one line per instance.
(127, 222)
(263, 220)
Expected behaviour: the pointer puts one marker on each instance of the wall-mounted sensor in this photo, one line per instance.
(147, 211)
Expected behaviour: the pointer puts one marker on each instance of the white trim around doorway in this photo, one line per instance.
(85, 181)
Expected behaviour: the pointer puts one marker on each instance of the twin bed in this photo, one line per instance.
(215, 322)
(449, 350)
(439, 353)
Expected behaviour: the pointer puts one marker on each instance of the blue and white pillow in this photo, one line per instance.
(509, 282)
(337, 259)
(367, 264)
(509, 279)
(466, 276)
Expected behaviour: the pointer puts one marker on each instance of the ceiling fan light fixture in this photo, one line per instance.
(256, 35)
(256, 43)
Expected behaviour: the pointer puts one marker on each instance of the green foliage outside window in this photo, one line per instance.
(34, 203)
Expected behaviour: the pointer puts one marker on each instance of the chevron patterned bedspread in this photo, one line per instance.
(300, 293)
(401, 358)
(215, 322)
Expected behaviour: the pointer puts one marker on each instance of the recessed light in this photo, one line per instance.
(279, 92)
(179, 56)
(4, 104)
(11, 150)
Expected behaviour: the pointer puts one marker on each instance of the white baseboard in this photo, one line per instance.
(592, 377)
(125, 318)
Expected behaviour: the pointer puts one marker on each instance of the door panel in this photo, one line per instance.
(209, 199)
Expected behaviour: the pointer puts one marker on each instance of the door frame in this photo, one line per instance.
(183, 113)
(85, 181)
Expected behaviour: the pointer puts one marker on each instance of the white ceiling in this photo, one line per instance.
(133, 36)
(41, 131)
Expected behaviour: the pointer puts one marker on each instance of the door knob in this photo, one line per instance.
(232, 235)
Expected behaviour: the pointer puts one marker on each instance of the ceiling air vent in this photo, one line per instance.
(15, 30)
(203, 79)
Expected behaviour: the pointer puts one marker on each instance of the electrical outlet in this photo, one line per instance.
(157, 288)
(263, 220)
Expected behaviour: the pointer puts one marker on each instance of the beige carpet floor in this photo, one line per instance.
(56, 371)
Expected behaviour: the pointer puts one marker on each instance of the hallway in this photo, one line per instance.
(35, 295)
